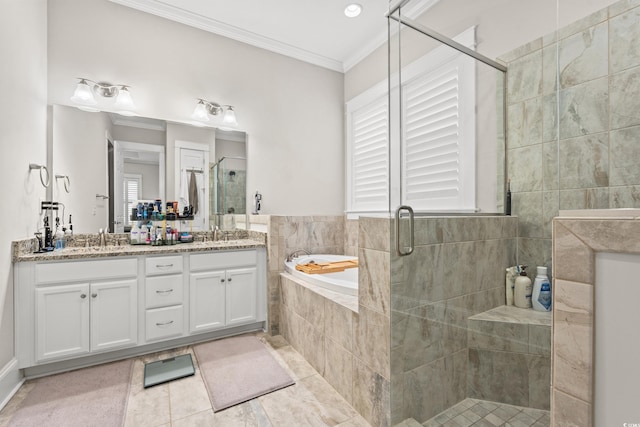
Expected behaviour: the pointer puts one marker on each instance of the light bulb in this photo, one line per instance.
(124, 103)
(200, 113)
(353, 10)
(83, 95)
(230, 117)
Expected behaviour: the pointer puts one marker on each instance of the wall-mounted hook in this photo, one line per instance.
(101, 196)
(41, 167)
(66, 182)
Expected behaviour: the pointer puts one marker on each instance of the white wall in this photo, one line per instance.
(23, 118)
(291, 110)
(150, 178)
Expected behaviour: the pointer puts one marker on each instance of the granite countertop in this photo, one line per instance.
(23, 249)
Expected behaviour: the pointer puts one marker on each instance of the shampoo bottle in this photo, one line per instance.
(522, 290)
(541, 297)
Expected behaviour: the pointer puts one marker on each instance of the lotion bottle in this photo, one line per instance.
(522, 290)
(541, 297)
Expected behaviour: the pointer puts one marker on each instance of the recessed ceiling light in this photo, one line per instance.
(353, 10)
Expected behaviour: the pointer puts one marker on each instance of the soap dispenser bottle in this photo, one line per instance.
(522, 290)
(541, 297)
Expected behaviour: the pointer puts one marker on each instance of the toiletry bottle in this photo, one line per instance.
(522, 290)
(541, 297)
(510, 279)
(507, 207)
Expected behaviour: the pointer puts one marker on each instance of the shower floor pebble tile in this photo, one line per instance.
(479, 413)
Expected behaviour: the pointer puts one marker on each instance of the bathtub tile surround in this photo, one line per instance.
(594, 133)
(316, 234)
(576, 241)
(455, 272)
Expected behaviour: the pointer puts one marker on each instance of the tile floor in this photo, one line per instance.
(480, 413)
(310, 402)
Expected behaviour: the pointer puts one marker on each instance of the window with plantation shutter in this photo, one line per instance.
(439, 138)
(369, 169)
(434, 164)
(131, 193)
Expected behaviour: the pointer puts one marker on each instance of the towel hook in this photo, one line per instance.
(41, 167)
(66, 182)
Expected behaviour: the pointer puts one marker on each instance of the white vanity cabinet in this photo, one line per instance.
(224, 290)
(76, 312)
(81, 307)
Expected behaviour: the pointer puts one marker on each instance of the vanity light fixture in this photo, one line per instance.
(352, 10)
(206, 108)
(85, 100)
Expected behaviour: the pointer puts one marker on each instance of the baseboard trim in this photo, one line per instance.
(11, 380)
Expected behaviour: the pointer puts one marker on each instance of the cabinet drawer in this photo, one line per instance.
(164, 323)
(163, 291)
(164, 265)
(223, 260)
(79, 271)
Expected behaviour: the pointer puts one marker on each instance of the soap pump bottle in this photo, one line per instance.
(522, 290)
(541, 297)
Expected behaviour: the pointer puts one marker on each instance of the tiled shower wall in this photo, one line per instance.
(592, 132)
(457, 270)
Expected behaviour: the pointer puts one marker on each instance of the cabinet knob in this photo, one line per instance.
(222, 280)
(229, 279)
(83, 296)
(94, 295)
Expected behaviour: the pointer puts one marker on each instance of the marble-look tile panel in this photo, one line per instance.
(511, 386)
(336, 406)
(624, 93)
(397, 385)
(372, 340)
(573, 338)
(534, 252)
(589, 198)
(622, 6)
(585, 161)
(625, 156)
(582, 24)
(528, 208)
(351, 237)
(461, 229)
(513, 314)
(303, 301)
(454, 377)
(424, 336)
(423, 394)
(550, 210)
(625, 197)
(602, 235)
(539, 382)
(296, 365)
(525, 77)
(573, 259)
(338, 324)
(525, 123)
(458, 269)
(566, 410)
(550, 117)
(428, 231)
(524, 166)
(549, 69)
(583, 56)
(188, 396)
(423, 277)
(371, 394)
(338, 370)
(550, 165)
(374, 276)
(624, 41)
(374, 233)
(584, 109)
(501, 336)
(540, 340)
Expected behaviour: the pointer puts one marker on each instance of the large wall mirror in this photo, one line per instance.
(112, 162)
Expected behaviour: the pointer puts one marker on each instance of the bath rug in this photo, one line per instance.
(95, 396)
(238, 369)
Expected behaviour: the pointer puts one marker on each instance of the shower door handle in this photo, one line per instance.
(409, 250)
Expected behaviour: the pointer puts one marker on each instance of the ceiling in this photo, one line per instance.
(314, 31)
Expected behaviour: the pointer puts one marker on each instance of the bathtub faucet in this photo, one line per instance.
(296, 253)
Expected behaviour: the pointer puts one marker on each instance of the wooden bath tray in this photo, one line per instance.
(327, 267)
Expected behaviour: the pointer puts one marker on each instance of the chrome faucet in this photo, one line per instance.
(295, 254)
(103, 238)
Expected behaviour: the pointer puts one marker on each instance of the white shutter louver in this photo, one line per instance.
(434, 141)
(131, 196)
(370, 153)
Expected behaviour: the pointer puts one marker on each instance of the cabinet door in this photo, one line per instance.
(242, 291)
(114, 319)
(207, 301)
(62, 319)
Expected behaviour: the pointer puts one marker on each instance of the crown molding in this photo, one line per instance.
(158, 8)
